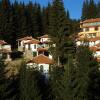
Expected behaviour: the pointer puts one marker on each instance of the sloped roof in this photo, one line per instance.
(91, 20)
(44, 36)
(98, 60)
(42, 59)
(94, 48)
(93, 39)
(2, 42)
(89, 39)
(33, 41)
(42, 49)
(25, 38)
(98, 45)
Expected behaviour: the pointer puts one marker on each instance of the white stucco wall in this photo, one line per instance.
(0, 46)
(31, 47)
(44, 39)
(45, 66)
(96, 42)
(97, 54)
(91, 29)
(91, 44)
(8, 47)
(78, 43)
(99, 28)
(50, 56)
(83, 29)
(22, 42)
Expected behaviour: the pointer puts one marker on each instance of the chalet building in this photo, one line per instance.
(45, 40)
(36, 51)
(41, 62)
(90, 35)
(32, 47)
(90, 28)
(22, 41)
(5, 51)
(45, 43)
(90, 31)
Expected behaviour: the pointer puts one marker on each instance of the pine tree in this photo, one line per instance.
(58, 29)
(36, 20)
(68, 80)
(45, 18)
(85, 10)
(13, 88)
(56, 83)
(63, 81)
(89, 10)
(86, 73)
(8, 85)
(28, 84)
(3, 84)
(98, 10)
(92, 11)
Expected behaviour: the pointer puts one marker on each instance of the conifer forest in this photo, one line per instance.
(75, 75)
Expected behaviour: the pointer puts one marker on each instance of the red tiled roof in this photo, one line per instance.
(91, 20)
(93, 39)
(89, 39)
(33, 41)
(94, 48)
(25, 38)
(2, 42)
(42, 49)
(42, 59)
(98, 60)
(44, 36)
(98, 45)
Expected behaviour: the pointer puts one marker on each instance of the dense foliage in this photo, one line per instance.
(75, 74)
(18, 20)
(90, 9)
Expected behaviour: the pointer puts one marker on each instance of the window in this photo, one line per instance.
(29, 47)
(35, 46)
(94, 35)
(23, 47)
(96, 28)
(34, 54)
(86, 29)
(19, 43)
(41, 68)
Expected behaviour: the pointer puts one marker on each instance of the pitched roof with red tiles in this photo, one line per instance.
(91, 20)
(98, 60)
(2, 42)
(42, 59)
(42, 49)
(93, 39)
(97, 45)
(94, 48)
(44, 36)
(33, 41)
(25, 38)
